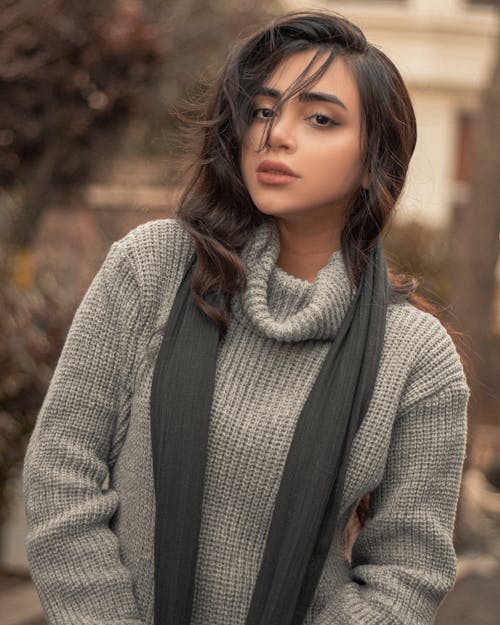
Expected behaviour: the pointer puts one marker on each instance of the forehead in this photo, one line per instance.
(337, 79)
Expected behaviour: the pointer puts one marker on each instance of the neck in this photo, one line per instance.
(305, 250)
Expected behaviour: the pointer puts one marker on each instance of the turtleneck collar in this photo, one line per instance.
(286, 308)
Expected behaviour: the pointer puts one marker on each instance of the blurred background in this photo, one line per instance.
(90, 148)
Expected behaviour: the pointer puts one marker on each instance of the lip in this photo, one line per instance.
(274, 172)
(275, 168)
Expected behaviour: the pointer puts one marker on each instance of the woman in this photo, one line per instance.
(246, 374)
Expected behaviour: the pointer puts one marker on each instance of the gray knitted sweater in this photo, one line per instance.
(88, 486)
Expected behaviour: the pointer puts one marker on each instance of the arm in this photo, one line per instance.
(403, 561)
(73, 555)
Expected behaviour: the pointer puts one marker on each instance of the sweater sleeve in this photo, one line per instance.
(403, 561)
(74, 556)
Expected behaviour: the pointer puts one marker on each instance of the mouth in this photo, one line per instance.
(273, 172)
(275, 167)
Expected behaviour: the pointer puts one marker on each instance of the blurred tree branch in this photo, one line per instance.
(32, 329)
(68, 71)
(476, 231)
(71, 73)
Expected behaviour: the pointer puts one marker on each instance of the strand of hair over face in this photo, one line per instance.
(215, 207)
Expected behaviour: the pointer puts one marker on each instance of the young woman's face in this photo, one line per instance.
(312, 165)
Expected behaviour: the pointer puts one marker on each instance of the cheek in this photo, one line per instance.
(248, 148)
(253, 137)
(339, 164)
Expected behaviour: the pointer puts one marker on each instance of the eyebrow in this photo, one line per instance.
(304, 96)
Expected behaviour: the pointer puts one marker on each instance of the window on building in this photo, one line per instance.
(491, 3)
(463, 156)
(386, 3)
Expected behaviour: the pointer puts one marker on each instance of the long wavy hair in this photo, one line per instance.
(215, 207)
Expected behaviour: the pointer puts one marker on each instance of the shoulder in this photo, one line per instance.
(155, 251)
(161, 242)
(145, 267)
(433, 363)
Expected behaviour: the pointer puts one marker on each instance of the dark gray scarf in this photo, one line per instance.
(309, 496)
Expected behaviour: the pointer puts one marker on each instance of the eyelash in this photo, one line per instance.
(263, 108)
(330, 122)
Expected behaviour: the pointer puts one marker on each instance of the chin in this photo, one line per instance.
(271, 208)
(283, 212)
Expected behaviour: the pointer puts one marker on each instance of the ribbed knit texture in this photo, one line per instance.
(91, 548)
(286, 308)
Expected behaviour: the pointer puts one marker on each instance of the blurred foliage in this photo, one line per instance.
(33, 323)
(72, 73)
(423, 251)
(68, 71)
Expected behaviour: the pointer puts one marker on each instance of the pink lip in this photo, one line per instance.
(274, 172)
(275, 168)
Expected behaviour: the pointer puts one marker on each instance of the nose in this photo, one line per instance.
(282, 132)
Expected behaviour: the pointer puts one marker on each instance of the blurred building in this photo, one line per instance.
(444, 50)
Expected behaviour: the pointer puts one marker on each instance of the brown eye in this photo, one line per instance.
(263, 113)
(318, 119)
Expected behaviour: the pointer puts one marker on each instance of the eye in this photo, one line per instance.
(263, 113)
(318, 119)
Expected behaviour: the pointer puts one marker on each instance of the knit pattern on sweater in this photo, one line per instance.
(88, 484)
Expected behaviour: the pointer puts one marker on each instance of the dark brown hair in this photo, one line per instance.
(215, 207)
